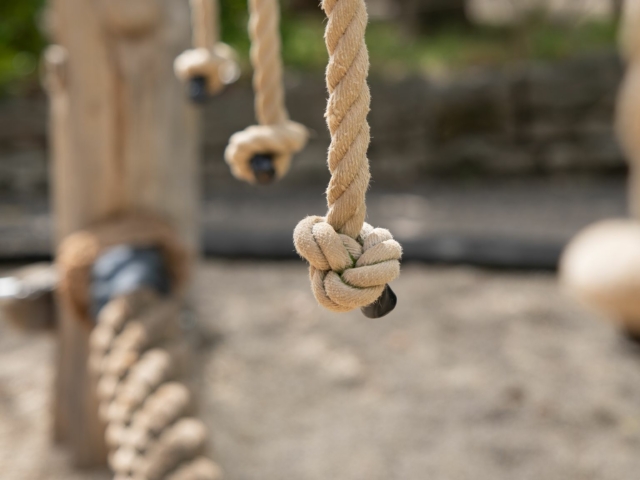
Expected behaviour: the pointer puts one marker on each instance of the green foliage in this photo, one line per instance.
(20, 43)
(233, 18)
(392, 49)
(302, 35)
(451, 47)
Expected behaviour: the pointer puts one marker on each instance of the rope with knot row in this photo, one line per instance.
(150, 430)
(276, 135)
(350, 261)
(210, 58)
(138, 354)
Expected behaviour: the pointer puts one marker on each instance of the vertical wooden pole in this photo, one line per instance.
(628, 109)
(123, 138)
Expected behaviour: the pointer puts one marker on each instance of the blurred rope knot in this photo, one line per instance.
(275, 135)
(281, 140)
(347, 273)
(217, 65)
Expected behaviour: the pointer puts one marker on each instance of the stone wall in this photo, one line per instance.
(535, 118)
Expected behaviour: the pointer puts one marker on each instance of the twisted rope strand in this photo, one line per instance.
(347, 110)
(267, 65)
(350, 261)
(275, 135)
(204, 23)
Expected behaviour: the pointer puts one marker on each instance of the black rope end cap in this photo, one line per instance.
(383, 306)
(197, 90)
(263, 168)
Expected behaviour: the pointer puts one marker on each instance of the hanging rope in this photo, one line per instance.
(209, 59)
(138, 356)
(350, 261)
(276, 136)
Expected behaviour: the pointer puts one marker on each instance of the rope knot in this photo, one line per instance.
(347, 273)
(281, 141)
(217, 65)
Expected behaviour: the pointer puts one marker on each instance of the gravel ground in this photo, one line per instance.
(478, 375)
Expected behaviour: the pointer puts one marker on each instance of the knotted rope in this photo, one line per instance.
(211, 59)
(276, 135)
(138, 358)
(150, 432)
(350, 261)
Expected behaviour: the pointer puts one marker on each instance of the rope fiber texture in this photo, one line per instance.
(276, 134)
(350, 261)
(210, 58)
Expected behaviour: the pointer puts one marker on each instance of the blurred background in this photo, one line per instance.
(491, 121)
(493, 144)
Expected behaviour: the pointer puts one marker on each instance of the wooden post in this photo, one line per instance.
(628, 109)
(123, 138)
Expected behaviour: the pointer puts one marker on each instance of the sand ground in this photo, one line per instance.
(478, 375)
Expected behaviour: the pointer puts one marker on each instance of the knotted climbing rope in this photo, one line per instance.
(147, 410)
(350, 261)
(276, 136)
(138, 356)
(210, 59)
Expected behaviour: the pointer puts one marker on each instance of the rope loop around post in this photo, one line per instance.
(276, 136)
(137, 351)
(79, 251)
(350, 261)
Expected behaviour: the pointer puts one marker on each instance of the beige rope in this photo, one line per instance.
(210, 58)
(276, 134)
(350, 261)
(149, 431)
(205, 23)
